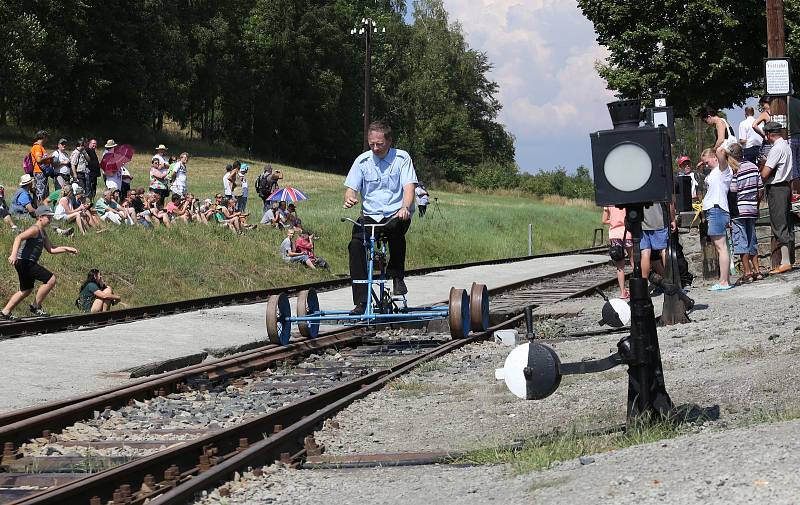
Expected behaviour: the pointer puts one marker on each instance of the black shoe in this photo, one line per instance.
(399, 286)
(7, 317)
(38, 311)
(359, 309)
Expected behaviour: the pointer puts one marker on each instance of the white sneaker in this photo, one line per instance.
(65, 231)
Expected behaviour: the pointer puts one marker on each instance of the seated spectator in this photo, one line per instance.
(95, 295)
(271, 216)
(79, 198)
(108, 210)
(205, 210)
(288, 253)
(5, 215)
(177, 209)
(157, 212)
(291, 217)
(65, 211)
(23, 202)
(130, 214)
(226, 217)
(305, 245)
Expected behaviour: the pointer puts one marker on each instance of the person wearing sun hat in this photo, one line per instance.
(161, 156)
(25, 253)
(23, 203)
(112, 177)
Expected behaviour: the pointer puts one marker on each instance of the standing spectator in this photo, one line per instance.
(746, 184)
(95, 295)
(267, 183)
(621, 243)
(161, 156)
(113, 176)
(62, 165)
(5, 215)
(764, 116)
(23, 203)
(685, 170)
(241, 200)
(229, 179)
(80, 164)
(421, 195)
(715, 206)
(385, 178)
(41, 166)
(177, 174)
(93, 165)
(724, 131)
(288, 253)
(748, 138)
(25, 254)
(655, 236)
(158, 179)
(777, 176)
(794, 141)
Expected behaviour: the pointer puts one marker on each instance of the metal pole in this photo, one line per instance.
(530, 239)
(776, 47)
(367, 64)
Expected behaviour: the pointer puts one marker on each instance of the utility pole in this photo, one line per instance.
(367, 28)
(776, 48)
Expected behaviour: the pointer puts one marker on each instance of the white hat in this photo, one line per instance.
(110, 143)
(111, 185)
(161, 147)
(25, 179)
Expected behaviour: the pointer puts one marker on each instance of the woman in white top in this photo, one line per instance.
(66, 212)
(178, 175)
(715, 207)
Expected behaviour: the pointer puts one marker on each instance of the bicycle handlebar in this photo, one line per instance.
(374, 225)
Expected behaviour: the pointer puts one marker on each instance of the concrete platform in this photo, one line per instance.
(54, 366)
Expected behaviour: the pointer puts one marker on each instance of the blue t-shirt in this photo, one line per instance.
(381, 181)
(20, 200)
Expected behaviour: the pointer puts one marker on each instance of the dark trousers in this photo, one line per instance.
(779, 201)
(396, 234)
(751, 154)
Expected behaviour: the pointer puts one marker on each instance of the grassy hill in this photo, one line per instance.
(151, 266)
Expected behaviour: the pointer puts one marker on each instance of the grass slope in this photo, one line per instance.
(152, 266)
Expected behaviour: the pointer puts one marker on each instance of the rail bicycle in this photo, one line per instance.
(464, 311)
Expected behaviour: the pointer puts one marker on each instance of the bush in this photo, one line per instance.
(559, 183)
(494, 175)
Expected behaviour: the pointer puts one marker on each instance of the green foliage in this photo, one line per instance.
(696, 51)
(494, 175)
(283, 78)
(558, 182)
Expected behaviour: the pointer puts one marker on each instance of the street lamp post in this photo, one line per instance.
(367, 27)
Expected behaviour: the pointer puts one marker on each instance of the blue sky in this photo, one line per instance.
(543, 53)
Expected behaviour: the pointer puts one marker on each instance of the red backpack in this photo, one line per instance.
(27, 164)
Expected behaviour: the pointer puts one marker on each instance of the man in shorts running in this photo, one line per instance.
(25, 254)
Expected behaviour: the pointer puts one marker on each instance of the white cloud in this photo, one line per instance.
(544, 52)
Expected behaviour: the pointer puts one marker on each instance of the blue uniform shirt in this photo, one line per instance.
(381, 181)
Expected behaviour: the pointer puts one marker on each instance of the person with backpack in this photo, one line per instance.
(25, 254)
(41, 166)
(267, 183)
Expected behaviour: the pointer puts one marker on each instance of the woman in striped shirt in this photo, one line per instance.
(746, 185)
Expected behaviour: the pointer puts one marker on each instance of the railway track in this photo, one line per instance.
(35, 325)
(144, 441)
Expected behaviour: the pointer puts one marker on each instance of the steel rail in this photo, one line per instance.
(29, 326)
(195, 465)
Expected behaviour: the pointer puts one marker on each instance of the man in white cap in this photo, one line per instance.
(25, 254)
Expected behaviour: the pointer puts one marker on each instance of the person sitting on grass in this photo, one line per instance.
(291, 217)
(288, 253)
(25, 253)
(95, 295)
(229, 215)
(23, 203)
(157, 212)
(108, 210)
(67, 213)
(177, 209)
(5, 215)
(305, 245)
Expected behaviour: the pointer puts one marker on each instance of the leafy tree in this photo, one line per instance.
(696, 51)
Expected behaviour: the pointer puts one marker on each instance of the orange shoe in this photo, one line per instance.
(781, 269)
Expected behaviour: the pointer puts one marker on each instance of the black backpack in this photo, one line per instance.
(266, 184)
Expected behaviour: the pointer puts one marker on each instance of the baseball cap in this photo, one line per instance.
(683, 159)
(44, 210)
(62, 141)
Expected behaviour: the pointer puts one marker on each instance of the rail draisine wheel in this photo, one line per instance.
(308, 303)
(479, 307)
(278, 328)
(458, 313)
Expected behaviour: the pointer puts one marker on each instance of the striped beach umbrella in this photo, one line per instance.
(287, 194)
